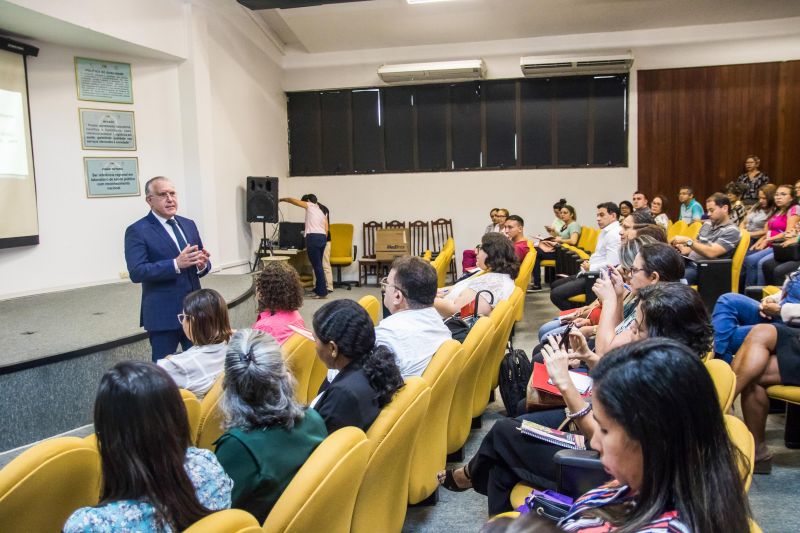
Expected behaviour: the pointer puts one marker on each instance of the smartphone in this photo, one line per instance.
(610, 271)
(564, 343)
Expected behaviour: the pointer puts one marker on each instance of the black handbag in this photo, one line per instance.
(546, 506)
(459, 326)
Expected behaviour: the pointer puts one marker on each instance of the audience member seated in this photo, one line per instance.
(506, 456)
(368, 376)
(569, 234)
(268, 434)
(734, 193)
(606, 254)
(279, 294)
(674, 469)
(625, 209)
(631, 225)
(735, 315)
(658, 208)
(414, 330)
(640, 202)
(494, 226)
(500, 267)
(514, 229)
(717, 238)
(558, 223)
(469, 257)
(769, 355)
(785, 216)
(205, 322)
(757, 215)
(752, 179)
(691, 210)
(152, 478)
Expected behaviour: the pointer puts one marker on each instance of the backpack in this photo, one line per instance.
(515, 372)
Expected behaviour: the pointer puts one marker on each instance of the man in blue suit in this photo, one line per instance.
(165, 254)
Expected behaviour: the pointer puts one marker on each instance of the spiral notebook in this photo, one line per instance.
(572, 441)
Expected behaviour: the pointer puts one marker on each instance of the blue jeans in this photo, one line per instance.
(315, 247)
(554, 327)
(733, 317)
(753, 271)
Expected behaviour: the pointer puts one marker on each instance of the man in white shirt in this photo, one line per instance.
(606, 254)
(414, 330)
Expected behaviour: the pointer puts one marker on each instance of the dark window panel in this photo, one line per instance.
(335, 132)
(537, 106)
(431, 102)
(367, 131)
(572, 116)
(304, 133)
(501, 126)
(465, 111)
(610, 120)
(398, 132)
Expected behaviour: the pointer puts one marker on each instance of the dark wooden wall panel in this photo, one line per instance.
(696, 125)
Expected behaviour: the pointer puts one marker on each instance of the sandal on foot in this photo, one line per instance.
(763, 466)
(450, 481)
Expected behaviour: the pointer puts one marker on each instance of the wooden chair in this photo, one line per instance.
(441, 230)
(420, 237)
(368, 265)
(395, 224)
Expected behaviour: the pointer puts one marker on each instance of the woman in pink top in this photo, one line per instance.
(761, 251)
(279, 295)
(316, 239)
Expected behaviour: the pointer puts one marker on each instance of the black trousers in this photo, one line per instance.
(507, 457)
(561, 290)
(775, 273)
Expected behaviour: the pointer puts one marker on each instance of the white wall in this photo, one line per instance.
(466, 197)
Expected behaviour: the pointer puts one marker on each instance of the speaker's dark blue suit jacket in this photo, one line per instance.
(150, 254)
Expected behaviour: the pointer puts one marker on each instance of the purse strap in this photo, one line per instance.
(477, 296)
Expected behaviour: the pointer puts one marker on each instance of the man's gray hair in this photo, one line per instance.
(258, 388)
(150, 181)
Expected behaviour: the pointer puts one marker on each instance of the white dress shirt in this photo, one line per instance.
(172, 236)
(413, 335)
(197, 368)
(607, 251)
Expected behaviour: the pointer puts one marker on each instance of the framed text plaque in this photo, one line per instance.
(103, 81)
(111, 176)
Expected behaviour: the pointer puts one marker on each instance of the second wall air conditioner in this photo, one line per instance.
(547, 66)
(469, 69)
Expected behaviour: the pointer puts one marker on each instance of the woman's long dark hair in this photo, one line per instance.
(675, 311)
(500, 256)
(662, 395)
(143, 433)
(349, 325)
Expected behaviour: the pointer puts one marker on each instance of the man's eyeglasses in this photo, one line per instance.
(384, 282)
(165, 195)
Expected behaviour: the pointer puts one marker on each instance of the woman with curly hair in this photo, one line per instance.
(368, 376)
(269, 435)
(499, 266)
(279, 294)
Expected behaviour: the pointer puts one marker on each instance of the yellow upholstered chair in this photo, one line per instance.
(524, 279)
(678, 228)
(738, 260)
(192, 410)
(318, 374)
(519, 493)
(227, 521)
(45, 484)
(427, 255)
(373, 307)
(322, 494)
(442, 261)
(430, 452)
(693, 229)
(209, 428)
(724, 381)
(343, 252)
(382, 498)
(475, 346)
(300, 355)
(517, 300)
(742, 438)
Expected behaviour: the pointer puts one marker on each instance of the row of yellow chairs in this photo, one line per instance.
(442, 261)
(682, 228)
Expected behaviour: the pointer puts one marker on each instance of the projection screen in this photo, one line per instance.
(19, 224)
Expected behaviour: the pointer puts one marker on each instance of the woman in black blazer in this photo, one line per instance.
(368, 375)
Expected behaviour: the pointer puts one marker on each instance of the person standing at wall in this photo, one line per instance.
(316, 239)
(164, 253)
(326, 257)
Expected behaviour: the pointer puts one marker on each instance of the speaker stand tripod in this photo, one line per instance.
(264, 248)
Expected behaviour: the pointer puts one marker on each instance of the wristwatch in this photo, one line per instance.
(689, 243)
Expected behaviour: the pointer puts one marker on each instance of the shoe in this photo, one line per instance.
(534, 288)
(318, 297)
(763, 466)
(449, 481)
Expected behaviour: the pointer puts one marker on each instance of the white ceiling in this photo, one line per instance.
(394, 23)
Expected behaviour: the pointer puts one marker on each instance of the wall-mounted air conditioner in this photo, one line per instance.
(469, 69)
(571, 65)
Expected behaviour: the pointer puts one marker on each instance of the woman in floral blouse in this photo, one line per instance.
(153, 479)
(752, 179)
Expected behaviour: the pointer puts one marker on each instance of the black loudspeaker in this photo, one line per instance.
(262, 199)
